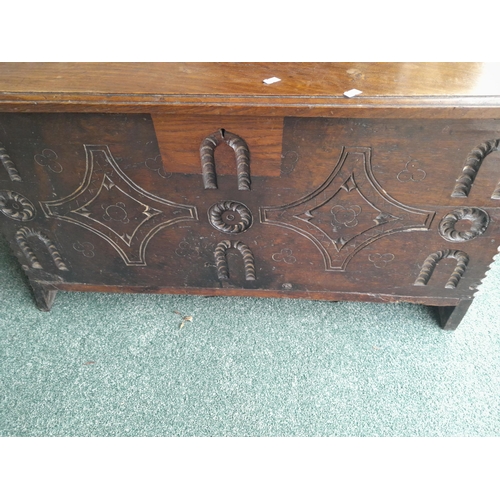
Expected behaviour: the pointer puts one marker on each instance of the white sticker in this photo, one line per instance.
(352, 93)
(268, 81)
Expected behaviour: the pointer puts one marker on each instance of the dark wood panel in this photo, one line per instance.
(179, 139)
(354, 209)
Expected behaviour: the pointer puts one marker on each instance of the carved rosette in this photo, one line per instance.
(479, 222)
(16, 206)
(230, 217)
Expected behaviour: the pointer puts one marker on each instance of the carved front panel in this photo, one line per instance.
(406, 208)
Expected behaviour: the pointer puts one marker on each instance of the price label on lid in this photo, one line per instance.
(352, 93)
(268, 81)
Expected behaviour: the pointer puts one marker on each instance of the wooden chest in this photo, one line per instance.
(203, 179)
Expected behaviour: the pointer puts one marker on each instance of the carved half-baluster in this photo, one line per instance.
(207, 150)
(472, 164)
(221, 259)
(21, 239)
(248, 259)
(22, 236)
(431, 261)
(242, 159)
(8, 164)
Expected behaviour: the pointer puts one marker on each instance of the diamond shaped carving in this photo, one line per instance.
(112, 206)
(347, 212)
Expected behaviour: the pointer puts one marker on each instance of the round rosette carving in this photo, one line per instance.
(16, 206)
(230, 217)
(478, 218)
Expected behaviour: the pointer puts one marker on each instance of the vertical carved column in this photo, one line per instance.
(8, 164)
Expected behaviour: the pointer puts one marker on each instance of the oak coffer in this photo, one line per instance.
(203, 179)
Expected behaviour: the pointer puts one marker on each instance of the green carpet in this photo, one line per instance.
(120, 365)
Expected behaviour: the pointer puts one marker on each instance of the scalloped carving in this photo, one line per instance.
(8, 164)
(221, 259)
(432, 260)
(207, 150)
(472, 163)
(478, 217)
(22, 236)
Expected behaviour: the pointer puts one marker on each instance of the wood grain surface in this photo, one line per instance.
(306, 89)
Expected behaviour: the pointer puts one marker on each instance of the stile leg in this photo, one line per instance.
(451, 316)
(44, 297)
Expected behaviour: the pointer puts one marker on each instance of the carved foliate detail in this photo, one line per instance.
(345, 215)
(207, 150)
(221, 259)
(349, 211)
(48, 159)
(85, 248)
(22, 236)
(412, 172)
(286, 256)
(381, 260)
(472, 164)
(479, 222)
(431, 261)
(156, 165)
(230, 217)
(8, 164)
(16, 206)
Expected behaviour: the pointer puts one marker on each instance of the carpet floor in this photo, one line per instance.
(121, 365)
